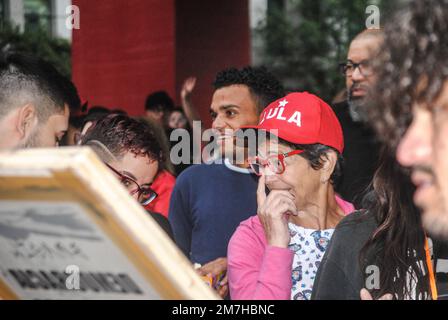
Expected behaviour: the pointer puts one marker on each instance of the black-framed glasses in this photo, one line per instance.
(144, 194)
(347, 68)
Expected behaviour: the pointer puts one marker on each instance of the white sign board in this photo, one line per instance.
(62, 237)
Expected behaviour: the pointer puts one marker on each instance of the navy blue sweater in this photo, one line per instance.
(208, 203)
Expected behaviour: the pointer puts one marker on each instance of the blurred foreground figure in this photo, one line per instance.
(412, 88)
(35, 102)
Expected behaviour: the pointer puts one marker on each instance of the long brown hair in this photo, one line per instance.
(396, 247)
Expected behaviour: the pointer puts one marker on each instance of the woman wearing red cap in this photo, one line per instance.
(275, 254)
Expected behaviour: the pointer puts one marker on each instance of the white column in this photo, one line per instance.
(257, 14)
(15, 13)
(59, 28)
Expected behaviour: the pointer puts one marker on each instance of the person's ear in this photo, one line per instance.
(26, 120)
(330, 159)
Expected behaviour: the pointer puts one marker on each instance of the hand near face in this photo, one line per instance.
(273, 212)
(214, 269)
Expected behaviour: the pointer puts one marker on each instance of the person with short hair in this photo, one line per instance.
(130, 150)
(35, 102)
(362, 147)
(209, 200)
(275, 254)
(177, 119)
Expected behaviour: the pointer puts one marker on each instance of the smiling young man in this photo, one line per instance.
(231, 106)
(210, 200)
(35, 102)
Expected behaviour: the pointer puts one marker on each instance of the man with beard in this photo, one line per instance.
(35, 102)
(361, 152)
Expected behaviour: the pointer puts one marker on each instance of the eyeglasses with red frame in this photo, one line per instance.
(275, 162)
(144, 194)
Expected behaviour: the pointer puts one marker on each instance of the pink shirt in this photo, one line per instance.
(257, 271)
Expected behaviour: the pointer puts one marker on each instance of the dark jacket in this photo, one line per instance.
(361, 152)
(340, 277)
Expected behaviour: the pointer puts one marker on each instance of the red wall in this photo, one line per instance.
(210, 36)
(126, 49)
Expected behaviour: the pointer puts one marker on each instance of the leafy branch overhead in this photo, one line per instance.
(39, 42)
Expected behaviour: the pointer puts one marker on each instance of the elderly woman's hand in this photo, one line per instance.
(273, 211)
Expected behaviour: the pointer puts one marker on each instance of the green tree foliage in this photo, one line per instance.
(37, 42)
(304, 40)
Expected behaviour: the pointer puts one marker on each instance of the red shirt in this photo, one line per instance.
(163, 184)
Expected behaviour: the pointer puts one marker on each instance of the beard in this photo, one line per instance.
(356, 109)
(33, 140)
(436, 223)
(435, 215)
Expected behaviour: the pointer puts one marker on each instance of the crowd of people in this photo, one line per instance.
(342, 201)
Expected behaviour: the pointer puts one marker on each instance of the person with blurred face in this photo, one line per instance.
(130, 150)
(275, 254)
(362, 149)
(424, 148)
(412, 106)
(177, 119)
(35, 103)
(410, 114)
(157, 107)
(210, 200)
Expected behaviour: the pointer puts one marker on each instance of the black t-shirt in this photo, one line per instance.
(339, 276)
(361, 151)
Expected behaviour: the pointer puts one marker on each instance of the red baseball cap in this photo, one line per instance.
(302, 118)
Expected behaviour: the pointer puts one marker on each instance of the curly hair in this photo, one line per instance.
(121, 134)
(262, 84)
(412, 66)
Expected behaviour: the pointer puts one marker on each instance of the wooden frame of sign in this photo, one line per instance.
(69, 230)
